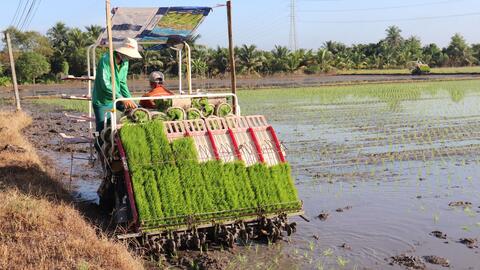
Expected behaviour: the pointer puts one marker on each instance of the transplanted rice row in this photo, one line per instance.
(169, 182)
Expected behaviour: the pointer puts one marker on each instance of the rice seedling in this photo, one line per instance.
(169, 181)
(175, 113)
(223, 110)
(342, 262)
(327, 252)
(193, 114)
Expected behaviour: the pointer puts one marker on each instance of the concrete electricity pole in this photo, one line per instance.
(14, 73)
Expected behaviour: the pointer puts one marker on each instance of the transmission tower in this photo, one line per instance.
(293, 27)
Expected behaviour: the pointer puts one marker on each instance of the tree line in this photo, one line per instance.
(63, 51)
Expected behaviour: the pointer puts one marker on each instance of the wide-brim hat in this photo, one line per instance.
(129, 47)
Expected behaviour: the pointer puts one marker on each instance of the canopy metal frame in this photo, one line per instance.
(179, 48)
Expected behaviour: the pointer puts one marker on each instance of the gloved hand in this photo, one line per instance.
(129, 104)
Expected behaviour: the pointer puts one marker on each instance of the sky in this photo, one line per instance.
(266, 23)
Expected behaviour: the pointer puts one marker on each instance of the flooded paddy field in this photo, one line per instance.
(389, 173)
(384, 171)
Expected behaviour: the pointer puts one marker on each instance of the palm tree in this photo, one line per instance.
(151, 60)
(58, 36)
(279, 58)
(394, 38)
(218, 61)
(334, 46)
(324, 59)
(459, 51)
(358, 60)
(169, 60)
(77, 39)
(199, 67)
(93, 32)
(250, 59)
(307, 57)
(293, 62)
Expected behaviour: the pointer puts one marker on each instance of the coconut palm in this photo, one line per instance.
(93, 32)
(334, 46)
(218, 62)
(394, 38)
(459, 51)
(77, 39)
(58, 36)
(293, 62)
(279, 59)
(324, 59)
(150, 61)
(250, 59)
(358, 60)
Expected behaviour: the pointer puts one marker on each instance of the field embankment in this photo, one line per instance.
(405, 71)
(39, 227)
(352, 77)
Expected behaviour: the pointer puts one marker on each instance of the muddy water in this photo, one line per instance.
(72, 162)
(393, 160)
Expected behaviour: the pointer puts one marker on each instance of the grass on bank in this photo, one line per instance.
(49, 104)
(39, 228)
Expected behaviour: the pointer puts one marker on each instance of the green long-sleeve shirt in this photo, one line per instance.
(102, 89)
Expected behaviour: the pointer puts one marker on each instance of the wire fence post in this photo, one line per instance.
(14, 74)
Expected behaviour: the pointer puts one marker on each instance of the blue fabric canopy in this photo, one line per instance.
(156, 28)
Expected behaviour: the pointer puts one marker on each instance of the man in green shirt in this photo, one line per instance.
(102, 89)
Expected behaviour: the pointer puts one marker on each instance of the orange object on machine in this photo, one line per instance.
(157, 92)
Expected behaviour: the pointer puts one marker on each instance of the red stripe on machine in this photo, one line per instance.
(235, 144)
(214, 145)
(277, 144)
(257, 145)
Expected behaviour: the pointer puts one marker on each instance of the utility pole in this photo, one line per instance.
(14, 73)
(293, 27)
(232, 54)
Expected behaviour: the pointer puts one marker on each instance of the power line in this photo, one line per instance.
(23, 13)
(377, 8)
(33, 14)
(16, 13)
(397, 20)
(27, 17)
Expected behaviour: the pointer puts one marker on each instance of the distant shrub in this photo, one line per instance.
(312, 69)
(31, 65)
(5, 81)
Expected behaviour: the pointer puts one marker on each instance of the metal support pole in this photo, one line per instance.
(89, 74)
(189, 68)
(180, 60)
(232, 54)
(14, 73)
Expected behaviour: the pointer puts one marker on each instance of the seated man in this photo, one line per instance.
(158, 89)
